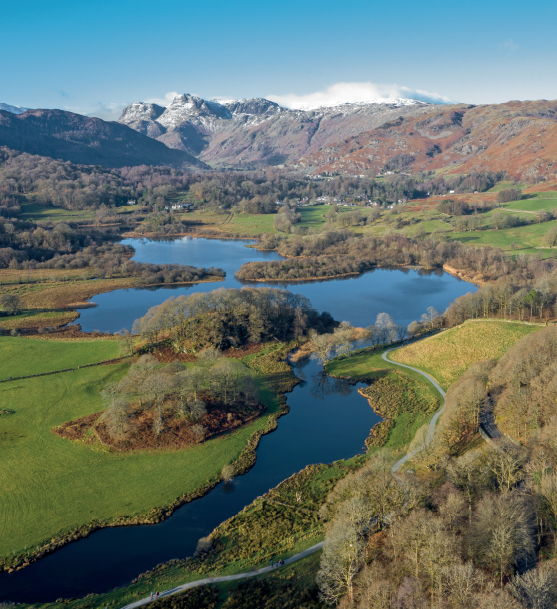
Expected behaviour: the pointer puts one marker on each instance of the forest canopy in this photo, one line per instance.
(227, 318)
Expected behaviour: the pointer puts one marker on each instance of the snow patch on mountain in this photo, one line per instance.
(13, 109)
(140, 111)
(193, 109)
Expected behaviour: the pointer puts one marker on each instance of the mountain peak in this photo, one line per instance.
(190, 108)
(140, 111)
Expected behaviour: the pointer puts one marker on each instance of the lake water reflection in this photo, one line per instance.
(328, 420)
(403, 293)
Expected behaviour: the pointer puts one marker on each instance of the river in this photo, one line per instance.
(328, 420)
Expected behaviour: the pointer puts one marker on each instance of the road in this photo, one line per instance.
(434, 419)
(226, 578)
(487, 422)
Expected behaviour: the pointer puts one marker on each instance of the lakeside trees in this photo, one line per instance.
(230, 317)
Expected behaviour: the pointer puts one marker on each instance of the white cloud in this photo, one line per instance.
(509, 46)
(163, 101)
(352, 92)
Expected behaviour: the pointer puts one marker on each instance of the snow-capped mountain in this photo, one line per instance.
(13, 109)
(257, 131)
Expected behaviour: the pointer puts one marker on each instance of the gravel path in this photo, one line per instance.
(226, 578)
(434, 419)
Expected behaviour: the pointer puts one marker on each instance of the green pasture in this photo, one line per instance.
(51, 485)
(542, 202)
(34, 211)
(26, 356)
(527, 239)
(504, 185)
(312, 216)
(253, 223)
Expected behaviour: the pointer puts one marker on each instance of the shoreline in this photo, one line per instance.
(246, 460)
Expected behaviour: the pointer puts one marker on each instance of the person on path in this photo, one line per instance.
(271, 563)
(152, 594)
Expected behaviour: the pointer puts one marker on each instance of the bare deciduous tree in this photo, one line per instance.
(340, 562)
(502, 532)
(536, 588)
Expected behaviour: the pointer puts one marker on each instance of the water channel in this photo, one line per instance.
(328, 420)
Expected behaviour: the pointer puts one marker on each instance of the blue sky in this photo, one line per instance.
(95, 57)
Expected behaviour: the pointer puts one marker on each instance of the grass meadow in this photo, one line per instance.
(446, 356)
(51, 485)
(526, 239)
(272, 526)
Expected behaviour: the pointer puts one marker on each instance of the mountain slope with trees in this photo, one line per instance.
(82, 139)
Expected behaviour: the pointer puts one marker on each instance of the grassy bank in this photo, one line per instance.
(52, 486)
(276, 525)
(404, 397)
(446, 356)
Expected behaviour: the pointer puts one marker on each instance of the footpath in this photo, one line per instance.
(432, 423)
(226, 578)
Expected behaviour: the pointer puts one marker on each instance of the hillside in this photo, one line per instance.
(517, 136)
(396, 135)
(82, 139)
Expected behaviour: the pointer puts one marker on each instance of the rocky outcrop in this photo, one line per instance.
(254, 132)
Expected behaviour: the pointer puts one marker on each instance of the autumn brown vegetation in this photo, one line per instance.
(171, 405)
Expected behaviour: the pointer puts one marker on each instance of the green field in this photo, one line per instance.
(34, 211)
(527, 239)
(24, 356)
(446, 356)
(503, 185)
(544, 201)
(51, 485)
(253, 223)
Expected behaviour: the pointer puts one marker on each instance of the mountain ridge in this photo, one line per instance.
(393, 135)
(86, 140)
(254, 131)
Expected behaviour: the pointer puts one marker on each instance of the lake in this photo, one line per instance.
(403, 293)
(328, 419)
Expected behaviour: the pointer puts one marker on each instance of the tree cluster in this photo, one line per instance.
(468, 541)
(509, 194)
(286, 217)
(173, 392)
(230, 317)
